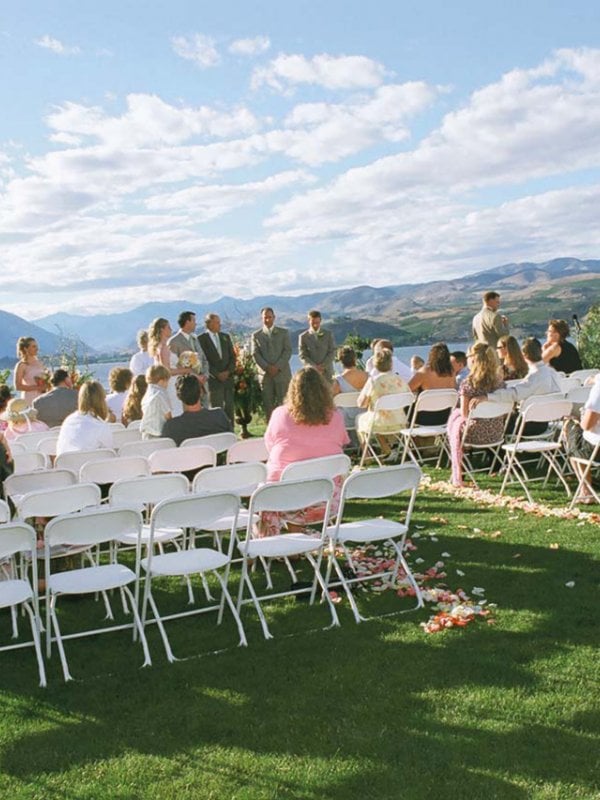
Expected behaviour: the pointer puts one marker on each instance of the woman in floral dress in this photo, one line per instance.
(386, 382)
(482, 379)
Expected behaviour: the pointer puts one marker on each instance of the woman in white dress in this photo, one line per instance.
(159, 334)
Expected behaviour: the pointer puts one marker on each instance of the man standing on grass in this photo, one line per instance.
(489, 325)
(272, 350)
(186, 340)
(218, 349)
(316, 346)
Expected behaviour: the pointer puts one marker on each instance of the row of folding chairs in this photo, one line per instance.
(92, 526)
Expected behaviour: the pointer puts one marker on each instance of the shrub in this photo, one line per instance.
(589, 339)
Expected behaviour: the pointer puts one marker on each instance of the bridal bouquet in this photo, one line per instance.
(188, 360)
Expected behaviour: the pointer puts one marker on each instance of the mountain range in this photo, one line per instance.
(409, 314)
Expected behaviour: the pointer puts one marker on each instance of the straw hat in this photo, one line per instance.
(18, 411)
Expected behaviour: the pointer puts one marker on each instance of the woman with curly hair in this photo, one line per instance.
(132, 408)
(557, 351)
(307, 425)
(513, 366)
(482, 379)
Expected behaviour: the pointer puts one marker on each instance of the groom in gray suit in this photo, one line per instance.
(316, 346)
(272, 350)
(186, 339)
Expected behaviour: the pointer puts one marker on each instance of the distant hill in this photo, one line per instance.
(12, 327)
(408, 313)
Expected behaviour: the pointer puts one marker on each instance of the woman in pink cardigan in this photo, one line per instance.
(307, 426)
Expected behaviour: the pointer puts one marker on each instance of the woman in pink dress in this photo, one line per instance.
(29, 371)
(21, 419)
(307, 426)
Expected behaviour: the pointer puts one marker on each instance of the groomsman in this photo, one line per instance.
(316, 346)
(185, 339)
(272, 350)
(218, 349)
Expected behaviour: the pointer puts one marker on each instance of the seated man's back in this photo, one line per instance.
(196, 423)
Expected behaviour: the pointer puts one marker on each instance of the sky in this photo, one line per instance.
(187, 150)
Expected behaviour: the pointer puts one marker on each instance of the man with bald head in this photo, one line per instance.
(218, 349)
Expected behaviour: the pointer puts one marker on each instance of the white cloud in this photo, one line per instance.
(250, 47)
(330, 72)
(198, 48)
(56, 46)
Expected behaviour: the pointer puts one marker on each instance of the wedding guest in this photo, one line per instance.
(5, 395)
(159, 334)
(316, 346)
(195, 420)
(29, 371)
(141, 360)
(482, 378)
(560, 354)
(458, 359)
(21, 418)
(416, 362)
(54, 406)
(436, 374)
(352, 379)
(398, 367)
(513, 365)
(86, 428)
(385, 382)
(156, 407)
(590, 421)
(307, 426)
(132, 408)
(119, 381)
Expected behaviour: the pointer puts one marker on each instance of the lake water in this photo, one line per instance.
(403, 353)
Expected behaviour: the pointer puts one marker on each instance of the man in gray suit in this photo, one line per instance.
(54, 406)
(186, 339)
(489, 325)
(316, 346)
(272, 350)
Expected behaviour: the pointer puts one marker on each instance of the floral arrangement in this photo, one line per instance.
(69, 360)
(43, 381)
(188, 360)
(246, 387)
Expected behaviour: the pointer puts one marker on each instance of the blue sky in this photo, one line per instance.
(186, 150)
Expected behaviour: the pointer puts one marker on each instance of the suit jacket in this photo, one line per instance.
(316, 349)
(488, 326)
(272, 350)
(179, 343)
(216, 363)
(56, 405)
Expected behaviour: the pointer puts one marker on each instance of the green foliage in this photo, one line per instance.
(358, 343)
(589, 339)
(4, 375)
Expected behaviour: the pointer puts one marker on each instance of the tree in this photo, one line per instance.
(589, 339)
(359, 344)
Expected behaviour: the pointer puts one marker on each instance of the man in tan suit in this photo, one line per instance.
(316, 346)
(272, 350)
(489, 325)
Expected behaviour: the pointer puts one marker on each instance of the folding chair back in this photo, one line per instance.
(4, 511)
(116, 426)
(18, 485)
(113, 469)
(31, 440)
(535, 399)
(434, 400)
(578, 395)
(394, 402)
(184, 459)
(583, 374)
(123, 436)
(566, 384)
(148, 490)
(582, 467)
(90, 527)
(248, 450)
(291, 495)
(47, 445)
(346, 399)
(194, 511)
(146, 447)
(220, 442)
(28, 462)
(76, 459)
(324, 467)
(381, 482)
(15, 447)
(241, 478)
(490, 409)
(546, 410)
(64, 500)
(134, 425)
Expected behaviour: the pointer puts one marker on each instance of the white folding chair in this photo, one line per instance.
(114, 469)
(116, 426)
(348, 400)
(180, 459)
(490, 410)
(90, 529)
(374, 484)
(285, 497)
(77, 458)
(4, 511)
(248, 450)
(568, 383)
(548, 411)
(583, 374)
(17, 538)
(134, 425)
(123, 436)
(220, 442)
(47, 445)
(430, 400)
(323, 467)
(28, 461)
(58, 500)
(146, 447)
(31, 440)
(399, 401)
(20, 484)
(15, 447)
(194, 511)
(579, 395)
(583, 470)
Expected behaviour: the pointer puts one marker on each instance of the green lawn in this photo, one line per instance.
(377, 710)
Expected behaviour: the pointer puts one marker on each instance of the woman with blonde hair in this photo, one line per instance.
(307, 425)
(159, 334)
(132, 409)
(385, 382)
(513, 365)
(29, 371)
(21, 418)
(482, 379)
(86, 428)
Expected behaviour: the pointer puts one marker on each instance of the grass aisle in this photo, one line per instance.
(380, 710)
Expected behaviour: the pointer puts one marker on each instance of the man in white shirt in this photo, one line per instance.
(541, 379)
(398, 367)
(141, 360)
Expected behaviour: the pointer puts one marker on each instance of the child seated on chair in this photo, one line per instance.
(155, 403)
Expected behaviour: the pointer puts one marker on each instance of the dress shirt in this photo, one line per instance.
(541, 379)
